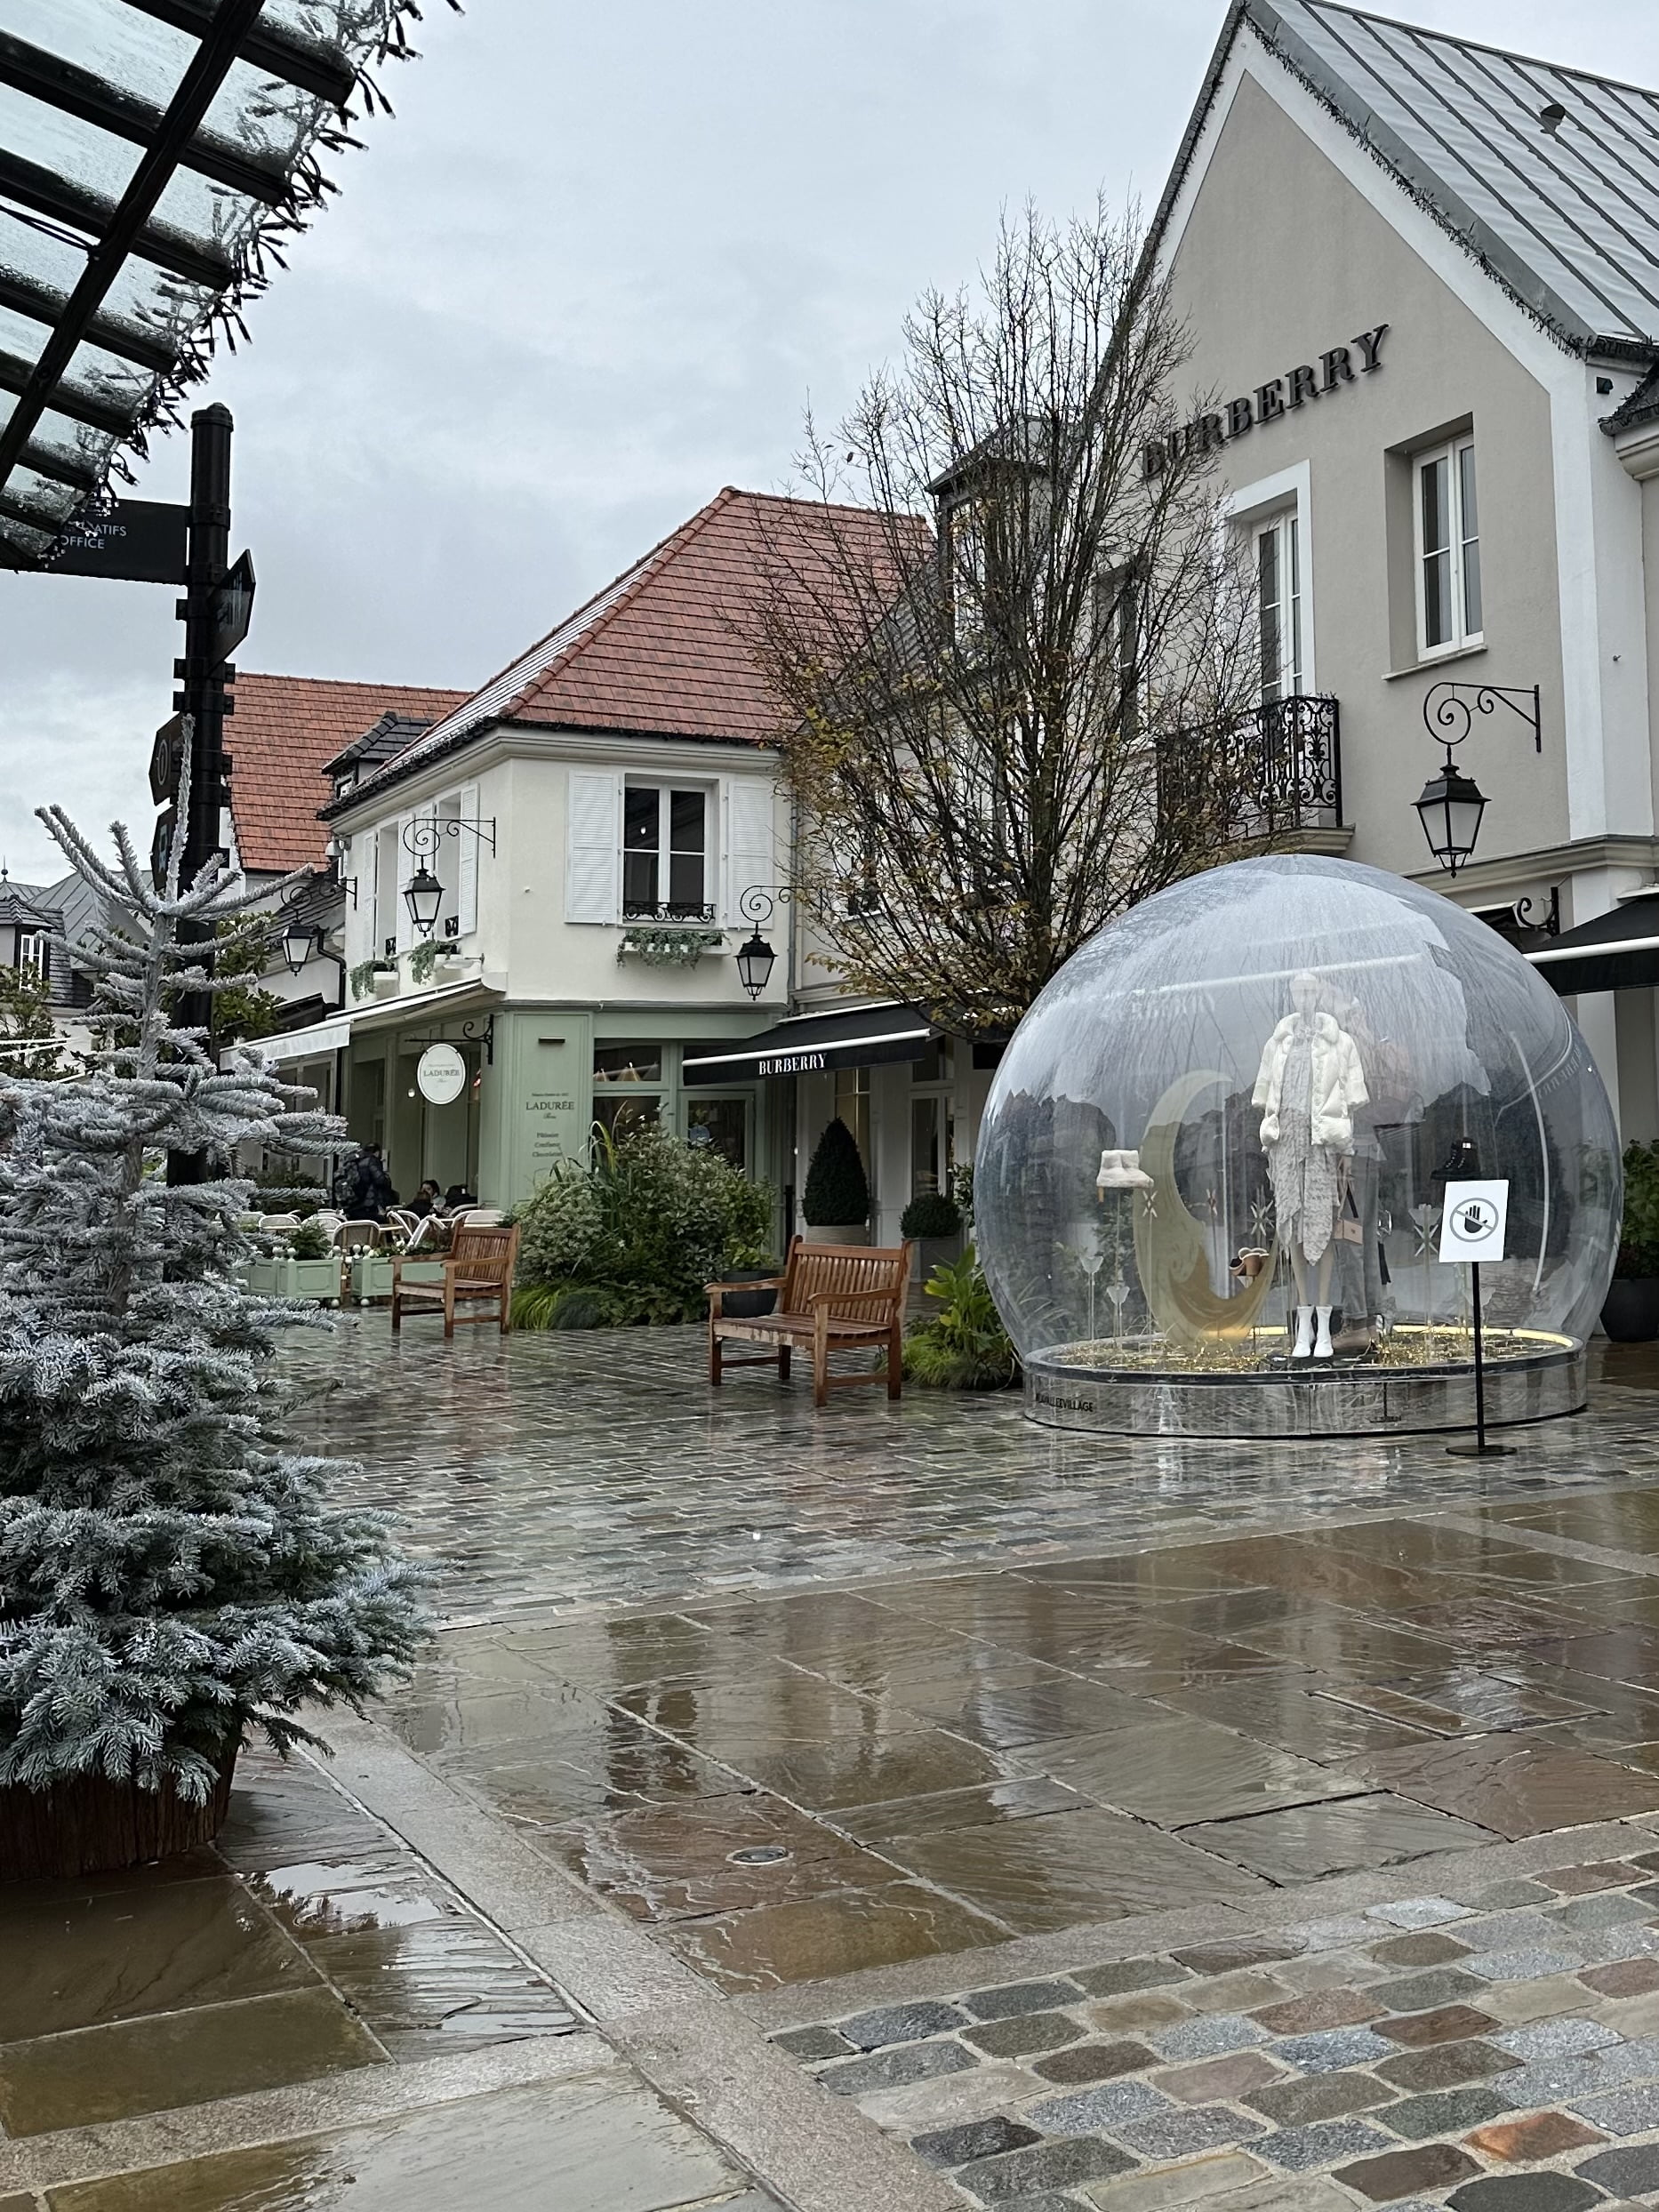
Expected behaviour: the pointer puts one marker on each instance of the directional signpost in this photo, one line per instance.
(1473, 1222)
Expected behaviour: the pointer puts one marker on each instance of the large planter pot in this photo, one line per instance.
(92, 1825)
(265, 1276)
(838, 1232)
(313, 1278)
(1630, 1312)
(749, 1305)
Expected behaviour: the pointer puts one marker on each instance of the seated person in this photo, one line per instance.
(457, 1195)
(426, 1199)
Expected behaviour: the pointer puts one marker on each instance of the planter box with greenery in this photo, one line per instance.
(1631, 1313)
(934, 1221)
(836, 1201)
(171, 1580)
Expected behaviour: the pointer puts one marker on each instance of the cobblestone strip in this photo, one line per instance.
(1498, 2053)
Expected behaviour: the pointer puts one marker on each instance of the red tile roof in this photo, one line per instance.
(661, 650)
(284, 729)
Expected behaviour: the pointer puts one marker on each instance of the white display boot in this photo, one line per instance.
(1322, 1341)
(1303, 1346)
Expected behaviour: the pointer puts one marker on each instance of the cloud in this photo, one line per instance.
(586, 275)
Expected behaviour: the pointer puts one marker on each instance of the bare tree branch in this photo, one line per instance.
(1012, 722)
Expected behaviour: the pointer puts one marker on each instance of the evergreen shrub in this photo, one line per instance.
(837, 1192)
(172, 1580)
(632, 1237)
(931, 1215)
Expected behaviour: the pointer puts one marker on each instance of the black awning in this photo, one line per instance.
(851, 1036)
(1617, 951)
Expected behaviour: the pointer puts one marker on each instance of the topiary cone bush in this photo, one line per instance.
(171, 1580)
(837, 1193)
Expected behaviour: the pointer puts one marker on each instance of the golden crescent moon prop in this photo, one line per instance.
(1169, 1247)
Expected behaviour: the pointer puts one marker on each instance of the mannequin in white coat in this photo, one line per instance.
(1307, 1085)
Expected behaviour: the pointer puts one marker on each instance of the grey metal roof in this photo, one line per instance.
(1565, 219)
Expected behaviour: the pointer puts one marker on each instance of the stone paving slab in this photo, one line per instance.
(1524, 2126)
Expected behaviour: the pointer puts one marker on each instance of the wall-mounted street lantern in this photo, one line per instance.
(298, 941)
(756, 958)
(1451, 804)
(423, 894)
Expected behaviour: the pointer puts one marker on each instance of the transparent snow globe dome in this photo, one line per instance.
(1125, 1208)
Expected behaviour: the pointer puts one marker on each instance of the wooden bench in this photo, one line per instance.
(831, 1298)
(479, 1271)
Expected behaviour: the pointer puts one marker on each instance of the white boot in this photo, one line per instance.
(1303, 1345)
(1322, 1342)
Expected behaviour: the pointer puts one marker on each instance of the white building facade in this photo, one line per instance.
(1422, 281)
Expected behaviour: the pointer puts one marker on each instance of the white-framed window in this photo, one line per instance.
(666, 867)
(31, 951)
(1448, 549)
(1276, 557)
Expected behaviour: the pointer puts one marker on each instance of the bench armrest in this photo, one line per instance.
(766, 1282)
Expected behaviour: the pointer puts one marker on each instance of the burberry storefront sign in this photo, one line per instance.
(793, 1063)
(1336, 366)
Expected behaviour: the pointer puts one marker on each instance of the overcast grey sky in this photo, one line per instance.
(589, 273)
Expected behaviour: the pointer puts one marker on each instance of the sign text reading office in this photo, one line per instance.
(1221, 425)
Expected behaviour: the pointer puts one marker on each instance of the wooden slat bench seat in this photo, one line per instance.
(478, 1273)
(831, 1298)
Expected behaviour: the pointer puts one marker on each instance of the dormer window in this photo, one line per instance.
(32, 952)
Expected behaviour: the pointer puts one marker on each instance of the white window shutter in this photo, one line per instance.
(750, 859)
(593, 867)
(403, 926)
(467, 863)
(369, 890)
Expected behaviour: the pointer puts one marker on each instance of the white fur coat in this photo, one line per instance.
(1338, 1083)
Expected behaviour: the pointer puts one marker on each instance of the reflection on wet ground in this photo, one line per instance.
(308, 1943)
(797, 1785)
(595, 2144)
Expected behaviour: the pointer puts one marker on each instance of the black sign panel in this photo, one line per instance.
(233, 608)
(166, 757)
(161, 846)
(144, 541)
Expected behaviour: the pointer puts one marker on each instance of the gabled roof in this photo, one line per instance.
(661, 652)
(30, 903)
(284, 732)
(1548, 177)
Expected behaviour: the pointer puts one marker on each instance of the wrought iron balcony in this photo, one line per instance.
(1283, 769)
(666, 911)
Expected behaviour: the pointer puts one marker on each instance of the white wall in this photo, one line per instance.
(541, 874)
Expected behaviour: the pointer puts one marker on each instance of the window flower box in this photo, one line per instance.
(660, 946)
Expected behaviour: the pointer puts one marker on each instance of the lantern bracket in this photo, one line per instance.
(425, 833)
(1449, 710)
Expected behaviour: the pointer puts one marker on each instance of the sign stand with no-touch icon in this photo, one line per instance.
(1472, 1224)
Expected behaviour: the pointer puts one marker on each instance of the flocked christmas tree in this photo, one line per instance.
(171, 1580)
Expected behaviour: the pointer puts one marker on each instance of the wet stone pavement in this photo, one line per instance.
(309, 1959)
(895, 1808)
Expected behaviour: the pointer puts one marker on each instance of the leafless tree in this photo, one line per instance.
(1015, 661)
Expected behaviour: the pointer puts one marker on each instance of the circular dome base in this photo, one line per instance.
(1536, 1377)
